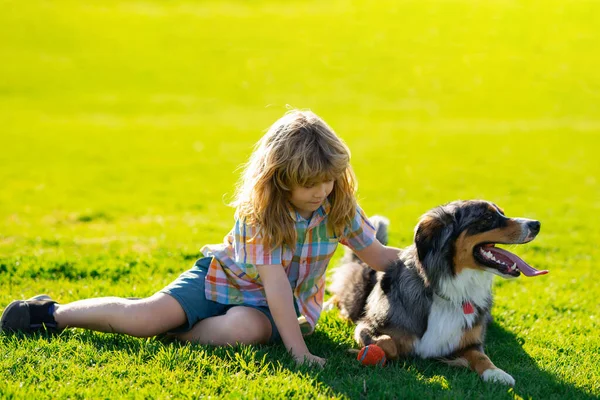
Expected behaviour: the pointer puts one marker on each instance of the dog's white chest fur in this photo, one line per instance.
(444, 329)
(447, 319)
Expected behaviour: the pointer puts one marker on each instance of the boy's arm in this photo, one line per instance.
(281, 304)
(378, 256)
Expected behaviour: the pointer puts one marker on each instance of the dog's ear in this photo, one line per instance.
(425, 233)
(429, 235)
(432, 235)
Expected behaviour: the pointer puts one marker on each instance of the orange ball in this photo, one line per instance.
(371, 355)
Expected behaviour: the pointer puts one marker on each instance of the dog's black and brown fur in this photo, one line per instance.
(434, 302)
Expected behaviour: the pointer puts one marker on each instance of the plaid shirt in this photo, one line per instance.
(233, 278)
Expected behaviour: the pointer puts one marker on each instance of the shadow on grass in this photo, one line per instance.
(417, 378)
(343, 375)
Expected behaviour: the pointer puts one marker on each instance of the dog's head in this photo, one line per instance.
(464, 234)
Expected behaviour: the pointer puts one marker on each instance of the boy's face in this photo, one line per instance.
(307, 199)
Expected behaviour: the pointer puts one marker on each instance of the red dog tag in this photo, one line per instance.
(468, 308)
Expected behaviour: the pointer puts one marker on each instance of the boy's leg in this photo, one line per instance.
(243, 325)
(136, 317)
(141, 317)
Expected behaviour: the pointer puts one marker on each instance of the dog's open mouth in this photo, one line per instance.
(505, 262)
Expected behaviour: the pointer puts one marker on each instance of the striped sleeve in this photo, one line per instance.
(360, 234)
(249, 246)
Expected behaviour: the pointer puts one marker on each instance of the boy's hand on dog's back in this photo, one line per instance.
(309, 359)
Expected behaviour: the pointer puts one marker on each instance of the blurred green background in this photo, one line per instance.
(123, 126)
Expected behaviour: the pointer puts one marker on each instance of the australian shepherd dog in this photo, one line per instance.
(435, 300)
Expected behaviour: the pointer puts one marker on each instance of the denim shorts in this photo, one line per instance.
(188, 290)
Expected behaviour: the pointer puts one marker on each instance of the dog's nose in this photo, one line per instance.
(534, 227)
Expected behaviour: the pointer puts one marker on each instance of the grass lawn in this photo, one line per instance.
(123, 125)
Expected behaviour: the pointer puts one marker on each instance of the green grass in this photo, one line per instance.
(123, 126)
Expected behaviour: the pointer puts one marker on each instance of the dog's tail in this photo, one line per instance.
(380, 224)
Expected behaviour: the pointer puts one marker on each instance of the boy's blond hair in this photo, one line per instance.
(299, 149)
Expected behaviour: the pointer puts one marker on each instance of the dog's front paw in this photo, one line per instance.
(497, 375)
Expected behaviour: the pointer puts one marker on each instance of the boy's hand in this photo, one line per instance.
(281, 304)
(310, 359)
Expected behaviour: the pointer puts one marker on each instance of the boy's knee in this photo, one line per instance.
(240, 325)
(248, 326)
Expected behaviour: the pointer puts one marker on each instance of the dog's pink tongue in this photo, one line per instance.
(510, 259)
